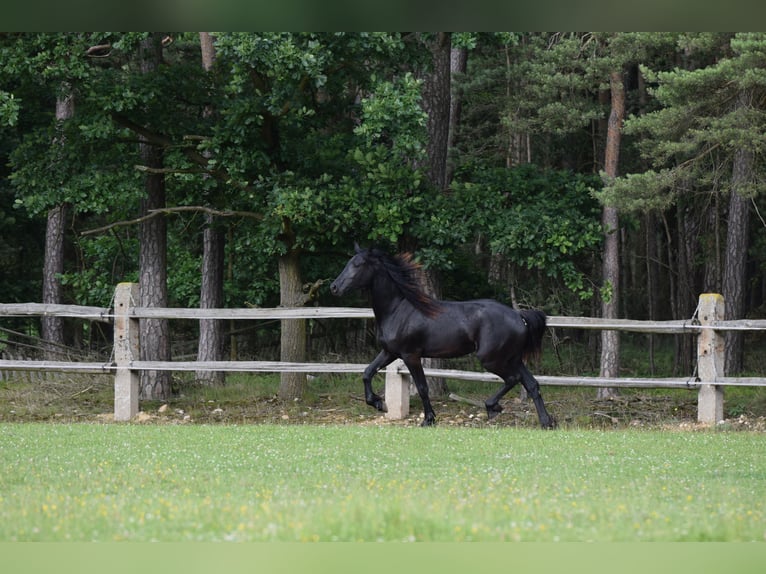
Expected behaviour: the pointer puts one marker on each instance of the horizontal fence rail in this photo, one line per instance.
(707, 324)
(51, 310)
(594, 323)
(351, 368)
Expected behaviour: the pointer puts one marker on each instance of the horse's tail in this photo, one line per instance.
(535, 321)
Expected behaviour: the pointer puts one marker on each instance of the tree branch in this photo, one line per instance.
(178, 209)
(166, 170)
(160, 140)
(311, 290)
(99, 51)
(191, 153)
(150, 136)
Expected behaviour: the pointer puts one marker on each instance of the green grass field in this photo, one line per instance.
(92, 482)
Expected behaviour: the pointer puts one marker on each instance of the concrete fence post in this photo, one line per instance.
(710, 359)
(125, 350)
(397, 391)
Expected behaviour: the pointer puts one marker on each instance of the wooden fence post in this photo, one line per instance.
(710, 360)
(125, 350)
(397, 391)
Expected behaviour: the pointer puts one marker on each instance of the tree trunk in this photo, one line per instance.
(518, 148)
(52, 328)
(211, 331)
(610, 340)
(737, 240)
(652, 285)
(293, 339)
(436, 102)
(650, 243)
(155, 336)
(458, 64)
(687, 297)
(207, 50)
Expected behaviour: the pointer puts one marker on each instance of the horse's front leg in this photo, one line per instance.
(418, 377)
(383, 359)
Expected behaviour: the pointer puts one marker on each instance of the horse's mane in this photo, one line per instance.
(405, 274)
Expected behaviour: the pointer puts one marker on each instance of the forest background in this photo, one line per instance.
(601, 174)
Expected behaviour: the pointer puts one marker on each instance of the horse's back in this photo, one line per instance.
(497, 327)
(489, 310)
(485, 318)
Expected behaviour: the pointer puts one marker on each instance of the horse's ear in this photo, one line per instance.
(357, 249)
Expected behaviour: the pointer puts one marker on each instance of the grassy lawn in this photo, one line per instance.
(93, 482)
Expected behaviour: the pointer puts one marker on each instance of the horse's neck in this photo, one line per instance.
(385, 297)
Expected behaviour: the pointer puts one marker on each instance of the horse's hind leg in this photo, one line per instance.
(493, 403)
(533, 390)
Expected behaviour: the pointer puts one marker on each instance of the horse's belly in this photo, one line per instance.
(448, 353)
(447, 346)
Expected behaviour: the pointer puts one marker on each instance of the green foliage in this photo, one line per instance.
(78, 173)
(636, 191)
(321, 138)
(707, 113)
(276, 120)
(333, 167)
(9, 109)
(103, 262)
(289, 138)
(538, 220)
(391, 141)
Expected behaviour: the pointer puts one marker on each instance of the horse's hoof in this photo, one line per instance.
(493, 411)
(428, 422)
(378, 403)
(551, 424)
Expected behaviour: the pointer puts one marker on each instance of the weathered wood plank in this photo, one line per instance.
(567, 381)
(710, 359)
(106, 315)
(51, 310)
(271, 313)
(741, 381)
(249, 366)
(366, 313)
(397, 396)
(737, 325)
(276, 367)
(61, 366)
(126, 348)
(669, 327)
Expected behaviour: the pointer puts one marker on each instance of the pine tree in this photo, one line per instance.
(707, 139)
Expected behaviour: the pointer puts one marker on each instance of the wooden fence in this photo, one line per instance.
(707, 323)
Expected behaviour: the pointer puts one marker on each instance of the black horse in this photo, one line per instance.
(412, 325)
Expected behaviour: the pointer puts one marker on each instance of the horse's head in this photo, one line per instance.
(357, 274)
